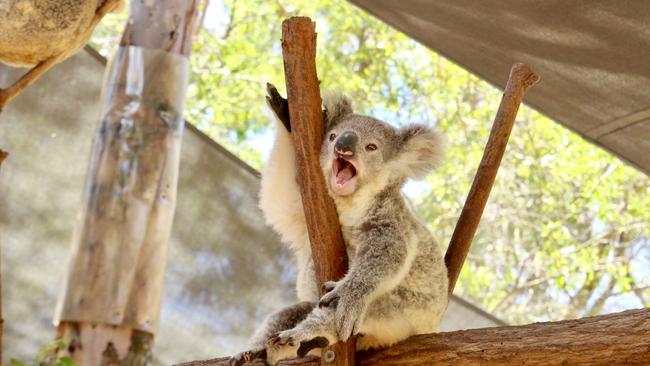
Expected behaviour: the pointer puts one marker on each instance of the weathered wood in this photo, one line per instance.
(613, 339)
(3, 156)
(303, 94)
(109, 308)
(118, 345)
(225, 361)
(521, 78)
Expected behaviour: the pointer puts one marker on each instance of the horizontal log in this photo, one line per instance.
(613, 339)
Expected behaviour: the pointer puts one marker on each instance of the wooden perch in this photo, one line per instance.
(613, 339)
(521, 78)
(303, 94)
(3, 156)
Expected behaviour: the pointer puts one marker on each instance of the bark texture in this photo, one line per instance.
(613, 339)
(3, 156)
(521, 78)
(303, 94)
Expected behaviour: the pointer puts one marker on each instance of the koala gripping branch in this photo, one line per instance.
(521, 78)
(303, 94)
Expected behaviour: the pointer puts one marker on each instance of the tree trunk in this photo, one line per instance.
(613, 339)
(109, 307)
(3, 156)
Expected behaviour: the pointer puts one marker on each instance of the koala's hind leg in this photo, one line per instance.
(316, 331)
(286, 318)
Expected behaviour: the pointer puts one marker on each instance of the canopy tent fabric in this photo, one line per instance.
(592, 57)
(227, 270)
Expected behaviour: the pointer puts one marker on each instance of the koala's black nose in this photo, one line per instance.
(346, 143)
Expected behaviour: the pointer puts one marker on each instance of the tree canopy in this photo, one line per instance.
(566, 232)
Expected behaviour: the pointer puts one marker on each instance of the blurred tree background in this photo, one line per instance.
(567, 230)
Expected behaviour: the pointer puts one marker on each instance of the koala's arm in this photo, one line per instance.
(280, 198)
(383, 258)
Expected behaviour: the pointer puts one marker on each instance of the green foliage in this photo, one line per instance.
(566, 232)
(49, 356)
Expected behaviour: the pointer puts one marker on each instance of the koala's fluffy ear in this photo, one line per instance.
(335, 107)
(420, 150)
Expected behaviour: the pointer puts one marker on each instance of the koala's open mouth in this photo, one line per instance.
(343, 176)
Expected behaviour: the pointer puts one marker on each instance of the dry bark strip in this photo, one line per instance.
(307, 129)
(521, 78)
(614, 339)
(110, 304)
(3, 156)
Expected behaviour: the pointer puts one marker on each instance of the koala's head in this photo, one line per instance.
(361, 152)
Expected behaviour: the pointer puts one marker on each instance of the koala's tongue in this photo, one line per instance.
(345, 174)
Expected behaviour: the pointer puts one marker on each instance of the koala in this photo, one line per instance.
(396, 285)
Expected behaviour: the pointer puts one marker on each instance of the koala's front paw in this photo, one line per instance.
(349, 308)
(349, 314)
(331, 296)
(280, 339)
(329, 286)
(247, 356)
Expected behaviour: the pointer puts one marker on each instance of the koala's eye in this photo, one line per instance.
(332, 136)
(371, 147)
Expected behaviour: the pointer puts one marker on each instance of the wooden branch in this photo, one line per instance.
(7, 94)
(613, 339)
(225, 361)
(154, 32)
(3, 156)
(307, 129)
(521, 78)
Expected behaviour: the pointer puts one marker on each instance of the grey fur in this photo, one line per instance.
(397, 282)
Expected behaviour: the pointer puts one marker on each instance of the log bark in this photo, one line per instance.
(3, 156)
(307, 129)
(521, 78)
(109, 307)
(614, 339)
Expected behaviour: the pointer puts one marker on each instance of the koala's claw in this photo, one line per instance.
(329, 286)
(247, 356)
(278, 340)
(279, 105)
(327, 301)
(331, 298)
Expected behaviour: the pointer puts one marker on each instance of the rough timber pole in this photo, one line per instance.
(521, 78)
(109, 307)
(612, 339)
(3, 156)
(303, 95)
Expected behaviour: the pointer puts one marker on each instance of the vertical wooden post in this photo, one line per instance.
(109, 308)
(303, 95)
(521, 78)
(3, 156)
